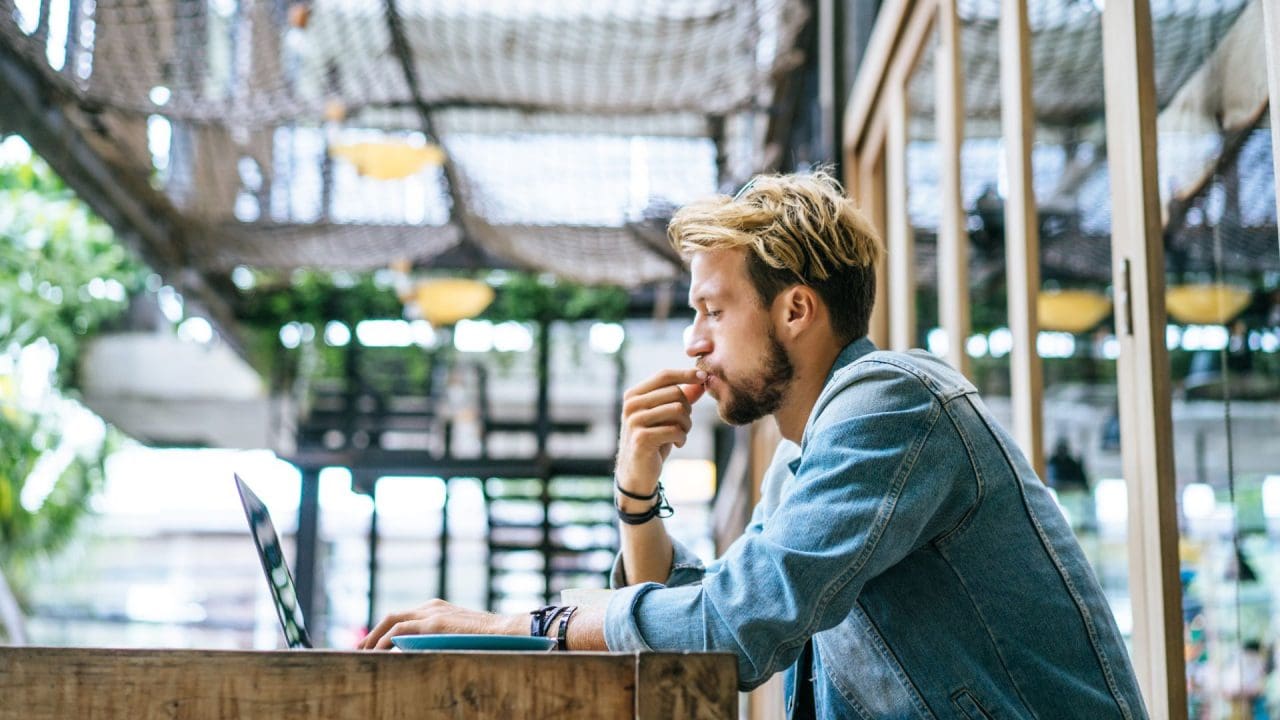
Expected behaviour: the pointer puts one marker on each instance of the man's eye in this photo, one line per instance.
(714, 314)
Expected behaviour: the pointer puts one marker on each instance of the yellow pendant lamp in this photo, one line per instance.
(1206, 303)
(1072, 311)
(388, 160)
(445, 301)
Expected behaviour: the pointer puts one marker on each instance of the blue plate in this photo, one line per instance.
(473, 642)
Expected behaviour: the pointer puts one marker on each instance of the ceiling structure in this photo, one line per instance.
(1216, 174)
(216, 134)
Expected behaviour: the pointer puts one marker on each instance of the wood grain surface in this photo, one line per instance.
(40, 683)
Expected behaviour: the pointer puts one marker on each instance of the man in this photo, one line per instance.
(905, 560)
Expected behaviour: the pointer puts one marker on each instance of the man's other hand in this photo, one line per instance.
(438, 617)
(656, 416)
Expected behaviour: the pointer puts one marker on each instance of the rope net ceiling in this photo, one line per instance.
(1214, 144)
(565, 125)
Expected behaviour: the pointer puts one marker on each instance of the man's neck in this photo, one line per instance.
(793, 414)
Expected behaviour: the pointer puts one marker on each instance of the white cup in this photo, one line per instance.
(586, 597)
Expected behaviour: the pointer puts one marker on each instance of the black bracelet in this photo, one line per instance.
(634, 496)
(661, 508)
(543, 617)
(562, 635)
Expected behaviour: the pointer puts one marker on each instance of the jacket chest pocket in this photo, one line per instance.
(968, 706)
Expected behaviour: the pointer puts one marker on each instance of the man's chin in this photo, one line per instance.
(736, 416)
(721, 411)
(736, 422)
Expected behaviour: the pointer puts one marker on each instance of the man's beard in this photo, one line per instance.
(751, 399)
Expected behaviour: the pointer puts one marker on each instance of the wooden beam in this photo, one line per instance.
(1022, 240)
(142, 217)
(953, 233)
(875, 142)
(871, 197)
(899, 242)
(767, 701)
(1271, 33)
(1142, 373)
(449, 169)
(915, 39)
(899, 245)
(868, 86)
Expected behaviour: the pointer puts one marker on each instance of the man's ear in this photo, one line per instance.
(796, 309)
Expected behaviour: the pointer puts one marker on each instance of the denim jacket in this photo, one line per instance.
(912, 542)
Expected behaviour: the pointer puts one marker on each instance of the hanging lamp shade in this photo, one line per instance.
(1206, 303)
(1073, 311)
(388, 160)
(448, 300)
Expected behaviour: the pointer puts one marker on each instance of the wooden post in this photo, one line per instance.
(1022, 240)
(766, 701)
(684, 686)
(1143, 374)
(873, 73)
(953, 234)
(871, 196)
(899, 245)
(1271, 33)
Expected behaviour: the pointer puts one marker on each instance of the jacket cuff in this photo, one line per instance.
(621, 633)
(686, 568)
(639, 620)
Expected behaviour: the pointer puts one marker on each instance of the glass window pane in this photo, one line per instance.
(1222, 275)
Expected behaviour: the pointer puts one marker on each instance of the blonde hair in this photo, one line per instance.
(797, 229)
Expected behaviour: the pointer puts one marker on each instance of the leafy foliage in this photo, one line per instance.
(309, 297)
(62, 277)
(62, 273)
(315, 298)
(28, 439)
(526, 297)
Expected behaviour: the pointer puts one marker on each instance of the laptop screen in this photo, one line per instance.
(278, 577)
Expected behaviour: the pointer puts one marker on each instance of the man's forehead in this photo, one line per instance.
(715, 272)
(700, 292)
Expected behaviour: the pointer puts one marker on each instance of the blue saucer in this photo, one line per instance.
(473, 642)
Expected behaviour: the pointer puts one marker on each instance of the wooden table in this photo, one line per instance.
(94, 683)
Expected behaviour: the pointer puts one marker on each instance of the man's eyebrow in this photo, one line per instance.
(702, 298)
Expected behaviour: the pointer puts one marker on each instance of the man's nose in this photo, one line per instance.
(695, 344)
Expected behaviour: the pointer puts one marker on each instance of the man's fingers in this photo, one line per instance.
(384, 643)
(378, 631)
(693, 392)
(665, 378)
(663, 435)
(653, 399)
(673, 413)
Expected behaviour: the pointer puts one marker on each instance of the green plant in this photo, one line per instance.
(315, 297)
(28, 440)
(525, 297)
(62, 272)
(63, 276)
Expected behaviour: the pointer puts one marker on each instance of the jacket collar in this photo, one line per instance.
(849, 354)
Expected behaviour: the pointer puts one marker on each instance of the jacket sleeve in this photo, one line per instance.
(854, 508)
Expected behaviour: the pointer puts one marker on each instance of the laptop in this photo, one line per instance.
(279, 579)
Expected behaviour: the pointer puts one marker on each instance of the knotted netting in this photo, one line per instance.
(292, 134)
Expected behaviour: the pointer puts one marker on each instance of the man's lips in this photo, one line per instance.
(711, 383)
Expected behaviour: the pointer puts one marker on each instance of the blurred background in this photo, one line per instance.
(394, 262)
